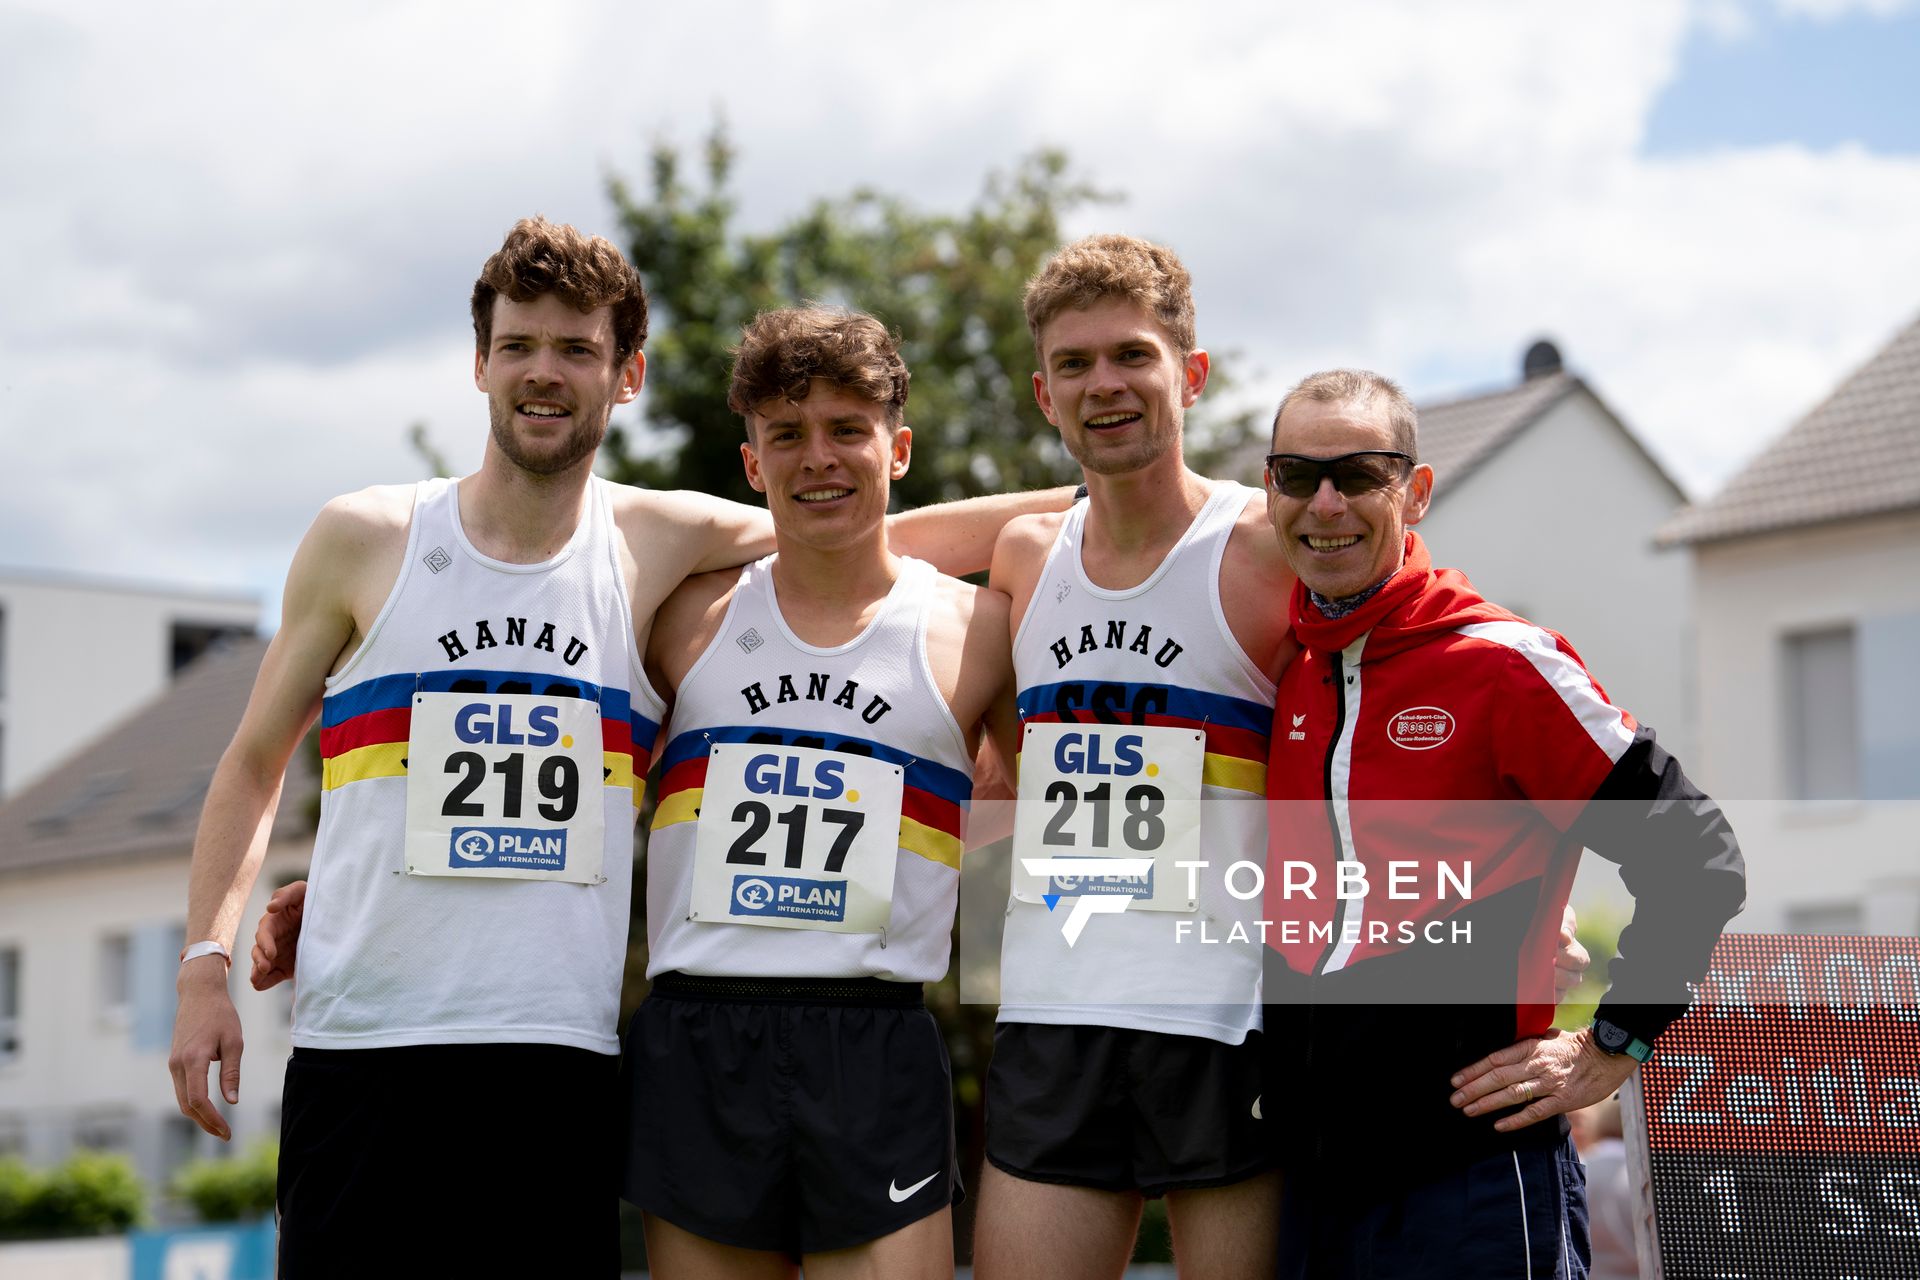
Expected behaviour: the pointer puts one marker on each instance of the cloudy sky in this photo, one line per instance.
(241, 237)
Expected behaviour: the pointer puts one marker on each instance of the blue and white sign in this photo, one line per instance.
(790, 898)
(529, 847)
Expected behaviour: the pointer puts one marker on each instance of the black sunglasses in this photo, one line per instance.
(1298, 476)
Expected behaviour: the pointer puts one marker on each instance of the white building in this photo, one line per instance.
(1546, 500)
(76, 654)
(1807, 589)
(93, 893)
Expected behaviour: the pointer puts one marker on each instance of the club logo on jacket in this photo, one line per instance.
(1066, 648)
(513, 635)
(819, 689)
(1420, 728)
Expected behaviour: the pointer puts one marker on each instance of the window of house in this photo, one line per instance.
(104, 1129)
(155, 957)
(189, 640)
(116, 977)
(1890, 707)
(1823, 715)
(9, 1004)
(179, 1143)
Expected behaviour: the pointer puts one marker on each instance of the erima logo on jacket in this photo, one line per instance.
(516, 638)
(1064, 650)
(819, 683)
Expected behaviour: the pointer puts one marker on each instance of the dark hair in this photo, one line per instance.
(585, 272)
(780, 350)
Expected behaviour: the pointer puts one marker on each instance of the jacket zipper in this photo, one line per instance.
(1326, 789)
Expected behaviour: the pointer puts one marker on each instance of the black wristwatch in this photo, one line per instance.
(1616, 1040)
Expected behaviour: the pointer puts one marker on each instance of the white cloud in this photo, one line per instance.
(250, 232)
(1832, 10)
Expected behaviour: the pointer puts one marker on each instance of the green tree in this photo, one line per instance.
(950, 284)
(90, 1193)
(232, 1187)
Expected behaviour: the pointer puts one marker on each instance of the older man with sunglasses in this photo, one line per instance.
(1437, 764)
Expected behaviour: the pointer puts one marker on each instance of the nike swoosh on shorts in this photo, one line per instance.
(897, 1193)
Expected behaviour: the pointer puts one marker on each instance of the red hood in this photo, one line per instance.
(1417, 599)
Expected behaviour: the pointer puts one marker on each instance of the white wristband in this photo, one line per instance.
(198, 949)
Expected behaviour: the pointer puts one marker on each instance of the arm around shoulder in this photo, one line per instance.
(959, 537)
(679, 532)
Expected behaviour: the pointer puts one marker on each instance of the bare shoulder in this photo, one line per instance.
(1027, 539)
(957, 604)
(367, 517)
(970, 647)
(1254, 544)
(699, 595)
(1021, 552)
(674, 533)
(686, 623)
(351, 555)
(1255, 586)
(661, 518)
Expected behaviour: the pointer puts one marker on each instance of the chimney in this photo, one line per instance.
(1541, 361)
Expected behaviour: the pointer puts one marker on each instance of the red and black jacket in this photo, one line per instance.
(1460, 757)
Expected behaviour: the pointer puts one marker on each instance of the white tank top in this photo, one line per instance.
(390, 957)
(759, 683)
(1160, 653)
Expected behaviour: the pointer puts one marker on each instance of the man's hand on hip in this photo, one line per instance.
(1559, 1072)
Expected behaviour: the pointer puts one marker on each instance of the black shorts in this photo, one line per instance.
(1123, 1110)
(1520, 1213)
(789, 1115)
(464, 1159)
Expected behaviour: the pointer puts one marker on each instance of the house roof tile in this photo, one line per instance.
(137, 788)
(1856, 454)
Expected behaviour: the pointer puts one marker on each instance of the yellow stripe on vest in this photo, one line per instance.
(378, 760)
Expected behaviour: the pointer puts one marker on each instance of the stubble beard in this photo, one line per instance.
(589, 429)
(1119, 462)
